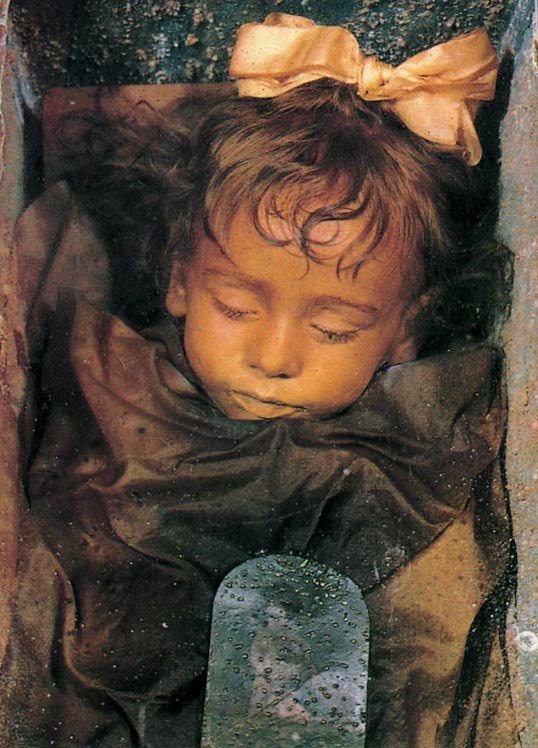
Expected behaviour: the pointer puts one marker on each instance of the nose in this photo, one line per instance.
(276, 352)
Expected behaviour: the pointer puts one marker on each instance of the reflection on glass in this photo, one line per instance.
(289, 657)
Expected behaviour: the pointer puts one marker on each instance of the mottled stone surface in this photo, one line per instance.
(3, 31)
(170, 41)
(519, 228)
(11, 381)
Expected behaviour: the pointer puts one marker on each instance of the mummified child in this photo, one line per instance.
(310, 379)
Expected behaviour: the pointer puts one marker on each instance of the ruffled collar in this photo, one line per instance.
(363, 491)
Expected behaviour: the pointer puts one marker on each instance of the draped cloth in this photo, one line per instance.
(142, 496)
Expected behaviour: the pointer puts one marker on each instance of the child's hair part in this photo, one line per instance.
(155, 188)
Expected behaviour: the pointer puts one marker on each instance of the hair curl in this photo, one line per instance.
(152, 186)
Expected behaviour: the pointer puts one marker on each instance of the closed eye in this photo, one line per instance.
(234, 313)
(337, 336)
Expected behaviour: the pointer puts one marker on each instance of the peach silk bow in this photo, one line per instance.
(435, 93)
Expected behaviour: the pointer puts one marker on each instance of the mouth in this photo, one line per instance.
(265, 408)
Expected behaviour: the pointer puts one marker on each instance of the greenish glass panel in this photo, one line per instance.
(289, 658)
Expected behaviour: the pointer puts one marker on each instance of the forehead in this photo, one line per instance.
(271, 256)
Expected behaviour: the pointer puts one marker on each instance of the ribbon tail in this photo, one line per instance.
(440, 119)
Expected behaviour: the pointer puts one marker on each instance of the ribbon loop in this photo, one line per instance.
(435, 93)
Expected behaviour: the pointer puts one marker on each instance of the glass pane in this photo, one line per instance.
(289, 658)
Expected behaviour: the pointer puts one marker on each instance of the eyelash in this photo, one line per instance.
(233, 313)
(239, 315)
(334, 336)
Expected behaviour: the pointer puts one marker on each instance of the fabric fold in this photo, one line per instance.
(143, 496)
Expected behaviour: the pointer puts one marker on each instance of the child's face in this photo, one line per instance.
(271, 335)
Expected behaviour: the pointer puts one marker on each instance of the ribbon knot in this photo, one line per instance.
(435, 93)
(372, 75)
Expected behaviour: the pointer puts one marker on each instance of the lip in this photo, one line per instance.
(264, 408)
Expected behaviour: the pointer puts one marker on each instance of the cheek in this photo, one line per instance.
(343, 375)
(348, 369)
(209, 344)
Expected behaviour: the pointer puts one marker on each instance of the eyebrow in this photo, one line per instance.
(325, 301)
(244, 280)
